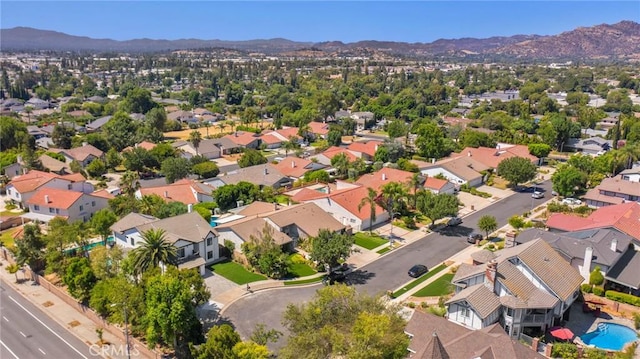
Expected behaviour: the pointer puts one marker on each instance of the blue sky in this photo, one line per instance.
(348, 21)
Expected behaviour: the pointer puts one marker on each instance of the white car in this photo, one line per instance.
(572, 201)
(537, 194)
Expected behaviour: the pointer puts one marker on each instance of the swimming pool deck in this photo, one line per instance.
(581, 323)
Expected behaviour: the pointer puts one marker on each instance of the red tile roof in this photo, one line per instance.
(288, 132)
(103, 193)
(434, 183)
(383, 176)
(333, 151)
(369, 147)
(270, 139)
(492, 157)
(293, 166)
(242, 138)
(623, 217)
(58, 198)
(319, 128)
(74, 177)
(350, 200)
(181, 191)
(31, 181)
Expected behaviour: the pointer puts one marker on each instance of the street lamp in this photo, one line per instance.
(126, 327)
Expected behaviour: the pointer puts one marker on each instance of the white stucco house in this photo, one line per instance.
(48, 203)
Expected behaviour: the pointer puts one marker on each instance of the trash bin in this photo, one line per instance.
(473, 208)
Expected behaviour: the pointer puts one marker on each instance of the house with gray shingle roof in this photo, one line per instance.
(525, 288)
(195, 240)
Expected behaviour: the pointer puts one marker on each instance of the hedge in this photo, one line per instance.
(599, 291)
(623, 297)
(586, 288)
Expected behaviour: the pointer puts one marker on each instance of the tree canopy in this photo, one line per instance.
(517, 170)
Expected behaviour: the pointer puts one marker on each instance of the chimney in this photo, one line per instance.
(384, 176)
(293, 164)
(166, 194)
(586, 263)
(265, 171)
(468, 153)
(614, 245)
(275, 206)
(46, 198)
(189, 208)
(490, 275)
(328, 190)
(84, 144)
(236, 133)
(376, 147)
(433, 160)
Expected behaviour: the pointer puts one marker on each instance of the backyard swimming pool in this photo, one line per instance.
(610, 336)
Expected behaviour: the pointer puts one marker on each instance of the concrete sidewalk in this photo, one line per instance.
(65, 315)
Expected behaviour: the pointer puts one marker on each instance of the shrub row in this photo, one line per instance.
(623, 297)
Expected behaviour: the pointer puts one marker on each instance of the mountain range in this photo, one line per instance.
(620, 41)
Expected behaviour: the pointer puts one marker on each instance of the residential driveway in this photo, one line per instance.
(217, 284)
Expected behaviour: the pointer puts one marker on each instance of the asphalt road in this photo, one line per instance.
(386, 273)
(26, 332)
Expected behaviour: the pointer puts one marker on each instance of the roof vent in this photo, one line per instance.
(166, 194)
(46, 198)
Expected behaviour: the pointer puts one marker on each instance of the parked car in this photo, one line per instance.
(417, 270)
(337, 275)
(572, 201)
(554, 193)
(454, 221)
(473, 237)
(537, 194)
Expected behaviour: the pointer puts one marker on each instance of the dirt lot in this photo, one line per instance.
(214, 129)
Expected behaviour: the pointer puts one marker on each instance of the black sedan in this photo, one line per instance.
(418, 270)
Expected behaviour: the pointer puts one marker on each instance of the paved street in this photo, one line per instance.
(26, 332)
(386, 273)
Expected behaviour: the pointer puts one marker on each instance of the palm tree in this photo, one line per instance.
(290, 145)
(631, 154)
(207, 124)
(370, 200)
(415, 182)
(341, 163)
(393, 194)
(195, 137)
(129, 182)
(154, 250)
(221, 126)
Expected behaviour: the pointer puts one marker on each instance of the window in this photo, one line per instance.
(466, 312)
(52, 210)
(209, 255)
(93, 203)
(69, 186)
(9, 192)
(209, 241)
(509, 312)
(181, 252)
(81, 207)
(57, 210)
(196, 249)
(133, 241)
(36, 207)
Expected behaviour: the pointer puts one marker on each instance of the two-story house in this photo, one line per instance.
(527, 289)
(195, 240)
(48, 203)
(611, 191)
(21, 188)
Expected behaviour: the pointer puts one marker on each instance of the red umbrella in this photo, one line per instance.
(561, 333)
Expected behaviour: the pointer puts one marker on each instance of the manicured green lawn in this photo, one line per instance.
(384, 250)
(236, 273)
(413, 284)
(439, 287)
(304, 281)
(364, 240)
(7, 239)
(299, 267)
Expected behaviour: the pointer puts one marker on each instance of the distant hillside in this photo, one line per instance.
(620, 41)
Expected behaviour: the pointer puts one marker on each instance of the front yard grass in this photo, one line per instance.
(7, 239)
(384, 250)
(299, 266)
(439, 287)
(236, 272)
(413, 284)
(304, 281)
(367, 241)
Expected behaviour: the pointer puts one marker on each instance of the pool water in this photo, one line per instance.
(610, 336)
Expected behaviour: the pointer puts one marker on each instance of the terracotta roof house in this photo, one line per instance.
(458, 170)
(439, 186)
(295, 168)
(83, 154)
(185, 191)
(264, 175)
(491, 157)
(367, 149)
(194, 238)
(144, 144)
(244, 139)
(434, 337)
(624, 218)
(383, 176)
(207, 148)
(343, 206)
(326, 156)
(526, 287)
(319, 129)
(615, 190)
(289, 224)
(613, 252)
(22, 187)
(47, 203)
(199, 112)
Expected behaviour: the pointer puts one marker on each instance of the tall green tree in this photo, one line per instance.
(195, 137)
(567, 180)
(79, 278)
(437, 206)
(251, 157)
(175, 169)
(29, 250)
(329, 248)
(487, 224)
(370, 200)
(263, 253)
(341, 163)
(129, 183)
(517, 170)
(62, 135)
(154, 249)
(13, 133)
(350, 325)
(102, 221)
(120, 131)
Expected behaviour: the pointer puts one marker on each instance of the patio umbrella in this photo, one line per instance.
(561, 333)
